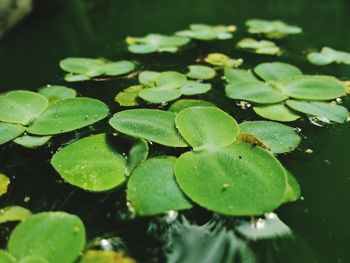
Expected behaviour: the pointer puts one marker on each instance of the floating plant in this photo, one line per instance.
(180, 105)
(221, 60)
(54, 93)
(207, 32)
(263, 47)
(4, 183)
(14, 213)
(327, 56)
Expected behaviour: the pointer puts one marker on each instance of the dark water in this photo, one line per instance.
(29, 58)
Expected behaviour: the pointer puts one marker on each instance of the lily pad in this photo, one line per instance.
(279, 138)
(313, 87)
(238, 180)
(14, 213)
(105, 256)
(159, 94)
(276, 71)
(276, 112)
(221, 60)
(293, 191)
(170, 79)
(329, 111)
(31, 142)
(55, 93)
(152, 188)
(254, 91)
(21, 106)
(10, 131)
(4, 183)
(193, 88)
(153, 125)
(206, 127)
(6, 257)
(66, 237)
(75, 77)
(148, 78)
(83, 66)
(200, 72)
(118, 68)
(264, 47)
(68, 115)
(207, 32)
(274, 29)
(33, 259)
(238, 75)
(327, 56)
(137, 154)
(180, 105)
(128, 97)
(91, 164)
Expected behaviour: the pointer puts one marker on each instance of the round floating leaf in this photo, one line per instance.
(159, 95)
(276, 112)
(137, 154)
(327, 56)
(55, 93)
(91, 164)
(105, 256)
(274, 29)
(75, 77)
(238, 180)
(207, 32)
(21, 106)
(276, 71)
(57, 237)
(14, 213)
(171, 79)
(31, 142)
(142, 49)
(313, 87)
(83, 66)
(4, 183)
(238, 75)
(221, 60)
(128, 97)
(200, 72)
(10, 131)
(152, 188)
(279, 138)
(153, 125)
(148, 77)
(68, 115)
(6, 257)
(329, 111)
(264, 47)
(118, 68)
(193, 88)
(206, 127)
(180, 105)
(255, 91)
(293, 191)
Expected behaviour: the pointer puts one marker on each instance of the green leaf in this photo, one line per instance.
(327, 56)
(159, 94)
(105, 256)
(148, 78)
(170, 79)
(6, 257)
(276, 112)
(255, 91)
(180, 105)
(207, 32)
(264, 47)
(55, 93)
(21, 106)
(57, 237)
(10, 131)
(83, 66)
(128, 97)
(152, 188)
(238, 180)
(238, 75)
(142, 48)
(137, 154)
(75, 77)
(279, 138)
(276, 71)
(91, 164)
(293, 191)
(68, 115)
(14, 213)
(32, 142)
(118, 68)
(4, 183)
(274, 29)
(193, 88)
(200, 72)
(206, 127)
(33, 259)
(313, 87)
(221, 60)
(322, 110)
(153, 125)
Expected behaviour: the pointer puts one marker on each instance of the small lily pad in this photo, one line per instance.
(21, 106)
(68, 115)
(137, 154)
(170, 79)
(313, 87)
(66, 237)
(91, 164)
(83, 66)
(327, 56)
(200, 72)
(128, 97)
(180, 105)
(10, 131)
(238, 180)
(193, 88)
(31, 142)
(221, 60)
(152, 188)
(329, 111)
(276, 112)
(105, 256)
(238, 75)
(75, 77)
(276, 71)
(206, 127)
(148, 78)
(279, 138)
(55, 93)
(207, 32)
(264, 47)
(118, 68)
(4, 183)
(153, 125)
(159, 94)
(274, 29)
(14, 213)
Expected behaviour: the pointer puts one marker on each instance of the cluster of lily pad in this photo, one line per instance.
(281, 92)
(264, 47)
(327, 56)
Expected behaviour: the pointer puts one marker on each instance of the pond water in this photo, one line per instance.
(29, 57)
